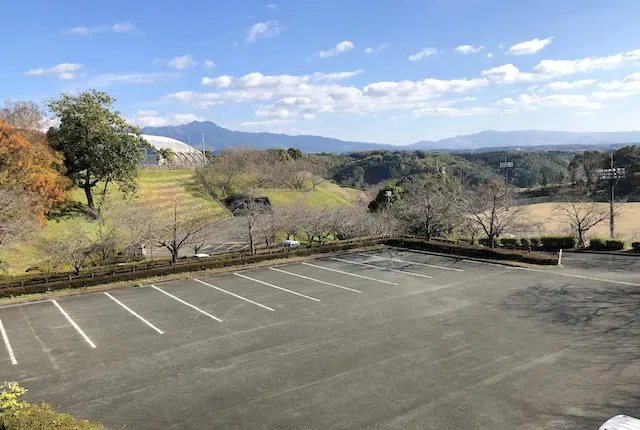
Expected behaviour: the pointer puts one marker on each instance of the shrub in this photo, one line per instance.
(535, 242)
(510, 242)
(20, 415)
(472, 251)
(598, 244)
(559, 242)
(526, 242)
(485, 241)
(636, 246)
(616, 244)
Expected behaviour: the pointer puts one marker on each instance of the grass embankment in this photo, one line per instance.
(158, 189)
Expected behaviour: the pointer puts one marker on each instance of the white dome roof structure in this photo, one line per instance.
(185, 155)
(161, 142)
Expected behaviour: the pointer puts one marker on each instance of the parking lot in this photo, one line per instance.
(384, 339)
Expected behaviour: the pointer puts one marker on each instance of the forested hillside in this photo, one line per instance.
(370, 168)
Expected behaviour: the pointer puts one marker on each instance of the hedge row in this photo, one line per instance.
(534, 257)
(636, 246)
(600, 244)
(545, 242)
(197, 265)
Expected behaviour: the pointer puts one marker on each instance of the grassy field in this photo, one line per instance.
(627, 221)
(159, 188)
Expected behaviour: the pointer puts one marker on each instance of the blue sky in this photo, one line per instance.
(395, 71)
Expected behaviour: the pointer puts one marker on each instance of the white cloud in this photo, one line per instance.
(62, 71)
(122, 27)
(208, 64)
(468, 49)
(132, 78)
(304, 96)
(549, 69)
(377, 49)
(601, 95)
(585, 113)
(423, 53)
(554, 68)
(262, 30)
(529, 47)
(150, 118)
(630, 83)
(118, 27)
(182, 63)
(563, 85)
(340, 48)
(489, 55)
(271, 6)
(85, 31)
(158, 62)
(532, 102)
(448, 111)
(507, 74)
(219, 82)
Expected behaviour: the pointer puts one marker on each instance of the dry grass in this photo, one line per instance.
(627, 221)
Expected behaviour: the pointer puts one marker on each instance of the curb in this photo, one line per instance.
(43, 297)
(481, 260)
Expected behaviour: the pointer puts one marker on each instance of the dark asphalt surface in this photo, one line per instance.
(482, 346)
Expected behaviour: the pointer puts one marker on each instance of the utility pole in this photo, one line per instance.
(612, 175)
(506, 165)
(388, 193)
(204, 154)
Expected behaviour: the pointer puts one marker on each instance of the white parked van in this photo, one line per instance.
(621, 422)
(290, 244)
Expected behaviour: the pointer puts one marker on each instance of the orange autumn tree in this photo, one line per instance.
(31, 166)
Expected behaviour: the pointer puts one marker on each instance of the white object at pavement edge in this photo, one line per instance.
(621, 422)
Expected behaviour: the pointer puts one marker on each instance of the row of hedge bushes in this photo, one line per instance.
(601, 244)
(535, 257)
(193, 266)
(548, 243)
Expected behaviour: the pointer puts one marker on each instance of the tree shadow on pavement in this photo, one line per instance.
(605, 325)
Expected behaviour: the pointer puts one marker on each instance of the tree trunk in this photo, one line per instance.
(174, 256)
(581, 238)
(89, 193)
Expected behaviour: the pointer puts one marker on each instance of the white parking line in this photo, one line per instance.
(413, 262)
(188, 304)
(383, 268)
(73, 323)
(234, 295)
(7, 344)
(571, 275)
(134, 313)
(315, 280)
(275, 286)
(347, 273)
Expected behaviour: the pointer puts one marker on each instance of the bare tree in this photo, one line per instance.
(581, 216)
(24, 116)
(225, 171)
(173, 230)
(431, 206)
(73, 249)
(492, 207)
(16, 221)
(252, 209)
(318, 224)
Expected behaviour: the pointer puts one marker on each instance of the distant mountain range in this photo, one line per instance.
(217, 138)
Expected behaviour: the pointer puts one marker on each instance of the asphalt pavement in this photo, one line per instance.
(387, 339)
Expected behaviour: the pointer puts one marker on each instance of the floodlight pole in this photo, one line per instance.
(506, 165)
(612, 175)
(612, 228)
